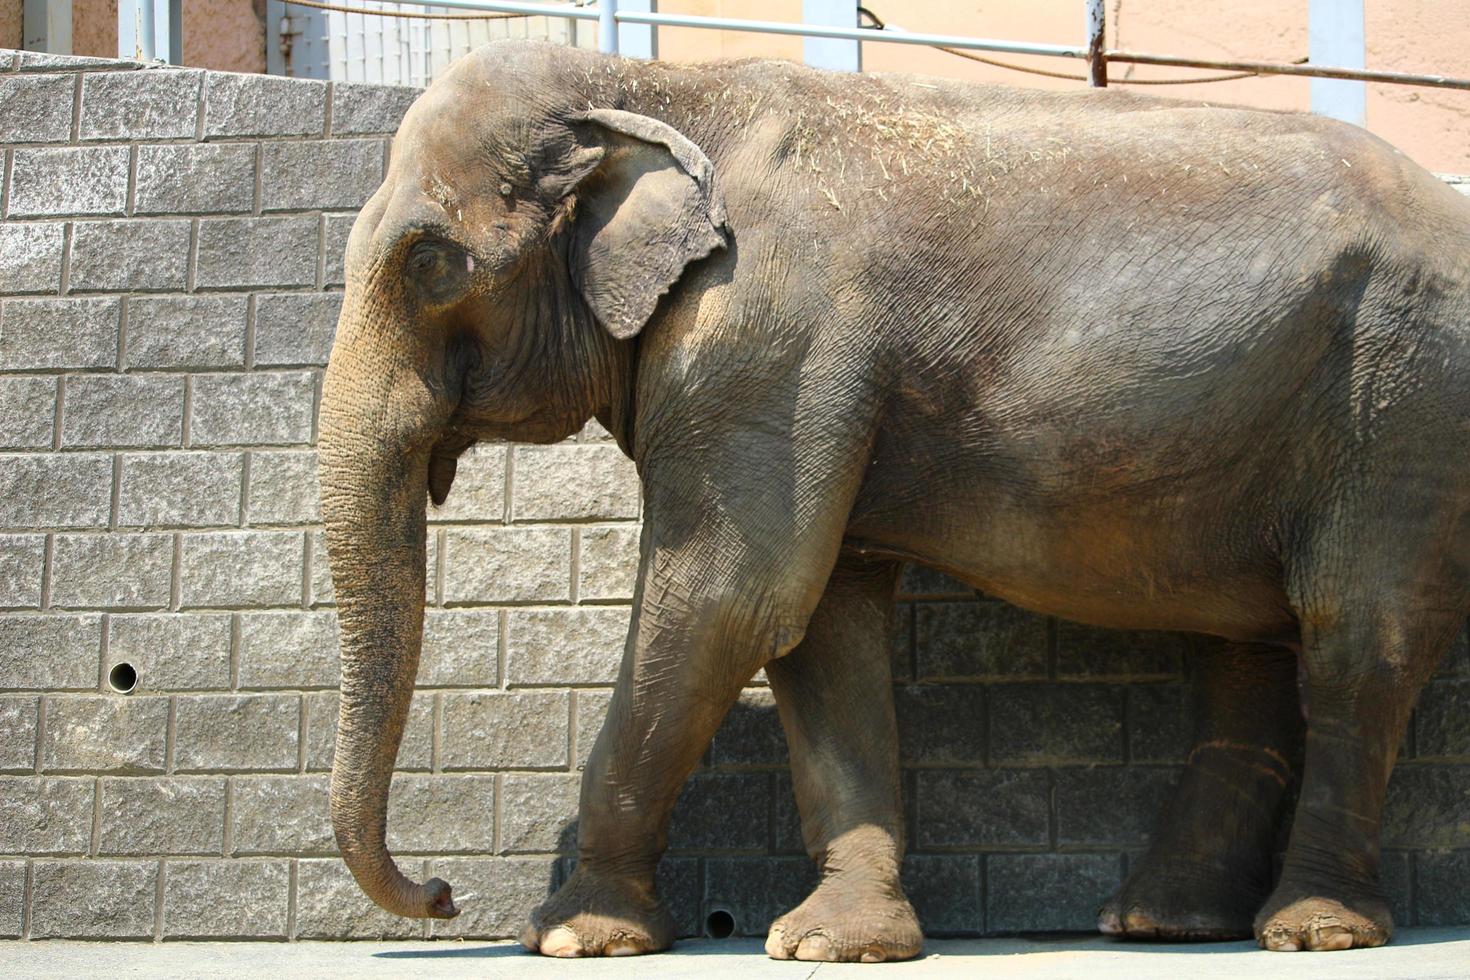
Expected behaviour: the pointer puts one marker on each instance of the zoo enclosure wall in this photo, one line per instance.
(170, 275)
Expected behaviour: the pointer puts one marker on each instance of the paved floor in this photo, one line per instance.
(1422, 954)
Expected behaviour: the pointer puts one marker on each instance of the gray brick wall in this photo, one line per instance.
(170, 260)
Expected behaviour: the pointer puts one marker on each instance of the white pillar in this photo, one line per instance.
(638, 40)
(821, 52)
(46, 26)
(1335, 38)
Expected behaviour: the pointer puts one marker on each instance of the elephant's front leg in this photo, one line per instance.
(835, 695)
(706, 619)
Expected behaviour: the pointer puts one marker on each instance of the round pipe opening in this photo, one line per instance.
(719, 924)
(122, 678)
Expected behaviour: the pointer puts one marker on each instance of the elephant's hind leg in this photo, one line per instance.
(1209, 867)
(834, 693)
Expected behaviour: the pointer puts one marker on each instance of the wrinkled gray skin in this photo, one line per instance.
(1133, 362)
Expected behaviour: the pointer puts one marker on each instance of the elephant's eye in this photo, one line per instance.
(440, 270)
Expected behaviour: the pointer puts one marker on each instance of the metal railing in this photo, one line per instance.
(1095, 52)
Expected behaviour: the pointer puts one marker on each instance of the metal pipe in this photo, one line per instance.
(864, 34)
(1097, 59)
(147, 38)
(607, 26)
(1277, 68)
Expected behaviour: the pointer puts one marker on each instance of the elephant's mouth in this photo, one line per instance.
(443, 462)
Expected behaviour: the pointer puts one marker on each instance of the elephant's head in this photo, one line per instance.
(518, 242)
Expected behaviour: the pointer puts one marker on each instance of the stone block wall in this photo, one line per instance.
(170, 274)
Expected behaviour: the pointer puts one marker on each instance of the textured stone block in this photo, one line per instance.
(59, 333)
(184, 489)
(45, 816)
(334, 246)
(239, 733)
(1442, 722)
(441, 814)
(185, 332)
(359, 108)
(1160, 723)
(106, 733)
(1443, 899)
(1088, 653)
(507, 564)
(1395, 874)
(330, 905)
(303, 175)
(1035, 725)
(296, 328)
(30, 257)
(133, 410)
(244, 252)
(751, 734)
(923, 582)
(28, 406)
(589, 714)
(1456, 660)
(415, 752)
(945, 892)
(722, 811)
(1047, 892)
(49, 653)
(282, 815)
(283, 488)
(68, 180)
(170, 815)
(755, 891)
(288, 649)
(479, 487)
(461, 648)
(226, 899)
(257, 409)
(142, 105)
(321, 568)
(1427, 806)
(195, 179)
(941, 725)
(982, 808)
(93, 899)
(22, 565)
(105, 571)
(43, 61)
(129, 254)
(983, 640)
(37, 108)
(571, 646)
(12, 898)
(172, 652)
(224, 569)
(506, 891)
(1111, 806)
(19, 721)
(609, 562)
(263, 105)
(574, 482)
(520, 730)
(539, 813)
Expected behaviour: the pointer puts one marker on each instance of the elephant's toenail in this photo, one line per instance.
(620, 947)
(561, 942)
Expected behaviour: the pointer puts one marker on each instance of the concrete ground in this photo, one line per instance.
(1421, 954)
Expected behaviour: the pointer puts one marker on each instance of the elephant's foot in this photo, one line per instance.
(1300, 917)
(600, 915)
(1176, 902)
(850, 923)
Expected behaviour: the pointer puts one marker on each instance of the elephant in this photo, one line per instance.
(1140, 363)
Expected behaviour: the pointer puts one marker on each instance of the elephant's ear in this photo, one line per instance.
(647, 206)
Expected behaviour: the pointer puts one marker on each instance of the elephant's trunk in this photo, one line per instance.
(373, 470)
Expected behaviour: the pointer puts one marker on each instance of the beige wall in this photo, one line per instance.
(10, 20)
(1406, 35)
